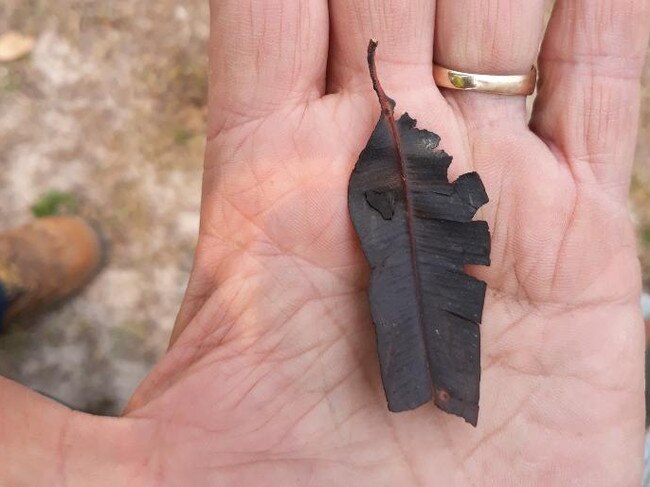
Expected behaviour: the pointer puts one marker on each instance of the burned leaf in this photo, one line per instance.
(417, 233)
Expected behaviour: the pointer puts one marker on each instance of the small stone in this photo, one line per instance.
(14, 45)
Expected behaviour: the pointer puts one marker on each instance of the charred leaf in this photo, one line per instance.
(417, 233)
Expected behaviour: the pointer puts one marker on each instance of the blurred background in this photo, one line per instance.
(102, 111)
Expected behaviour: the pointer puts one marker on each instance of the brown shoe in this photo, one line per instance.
(44, 262)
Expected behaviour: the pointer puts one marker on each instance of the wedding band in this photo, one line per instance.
(518, 84)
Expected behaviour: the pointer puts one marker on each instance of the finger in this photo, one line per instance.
(404, 29)
(264, 55)
(588, 103)
(488, 37)
(45, 443)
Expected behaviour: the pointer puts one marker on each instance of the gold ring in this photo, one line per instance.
(518, 84)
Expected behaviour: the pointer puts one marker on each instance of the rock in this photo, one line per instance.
(14, 45)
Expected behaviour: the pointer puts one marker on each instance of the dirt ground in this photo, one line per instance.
(110, 107)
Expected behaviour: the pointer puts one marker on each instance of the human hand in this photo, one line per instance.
(272, 375)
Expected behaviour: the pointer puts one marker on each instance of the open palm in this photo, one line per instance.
(272, 376)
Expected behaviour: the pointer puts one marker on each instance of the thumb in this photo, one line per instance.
(45, 443)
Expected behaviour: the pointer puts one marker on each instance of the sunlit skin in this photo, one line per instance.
(272, 378)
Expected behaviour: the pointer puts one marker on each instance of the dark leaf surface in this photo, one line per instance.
(417, 233)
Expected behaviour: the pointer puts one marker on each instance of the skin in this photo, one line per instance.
(272, 377)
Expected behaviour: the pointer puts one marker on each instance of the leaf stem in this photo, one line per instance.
(387, 105)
